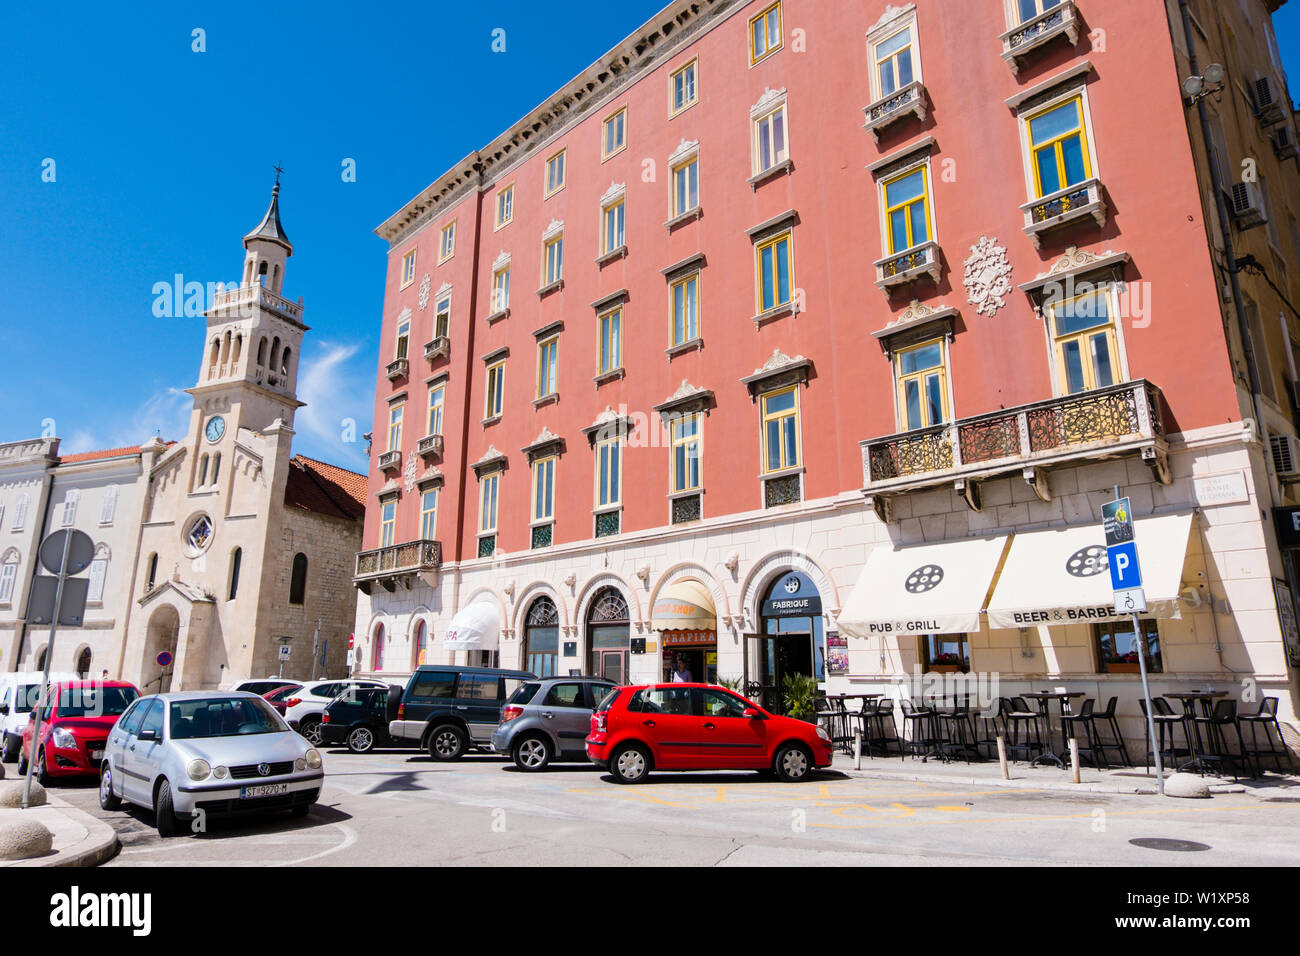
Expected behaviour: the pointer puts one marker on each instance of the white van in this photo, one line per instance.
(19, 693)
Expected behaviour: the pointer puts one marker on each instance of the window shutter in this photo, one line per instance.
(109, 506)
(98, 569)
(20, 513)
(7, 575)
(70, 507)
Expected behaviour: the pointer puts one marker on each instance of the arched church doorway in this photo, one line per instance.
(161, 636)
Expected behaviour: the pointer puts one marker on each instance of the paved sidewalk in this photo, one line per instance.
(79, 839)
(1272, 786)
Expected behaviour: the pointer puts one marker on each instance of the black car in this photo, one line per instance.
(447, 710)
(360, 717)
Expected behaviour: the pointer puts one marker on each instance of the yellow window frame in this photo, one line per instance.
(1055, 142)
(501, 289)
(402, 339)
(396, 415)
(787, 237)
(447, 242)
(607, 243)
(1061, 340)
(428, 529)
(760, 137)
(681, 440)
(539, 466)
(673, 108)
(605, 126)
(437, 403)
(387, 522)
(505, 197)
(604, 448)
(442, 315)
(684, 167)
(489, 487)
(549, 346)
(894, 57)
(780, 416)
(924, 169)
(902, 380)
(754, 54)
(495, 390)
(408, 269)
(555, 242)
(547, 189)
(615, 354)
(682, 283)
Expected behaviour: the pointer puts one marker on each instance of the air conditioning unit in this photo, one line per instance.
(1268, 106)
(1248, 205)
(1284, 143)
(1286, 456)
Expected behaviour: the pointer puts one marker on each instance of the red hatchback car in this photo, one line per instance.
(699, 727)
(75, 729)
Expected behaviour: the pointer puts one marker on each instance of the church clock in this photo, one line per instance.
(216, 428)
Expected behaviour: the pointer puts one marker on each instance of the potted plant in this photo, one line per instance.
(1123, 663)
(799, 693)
(947, 664)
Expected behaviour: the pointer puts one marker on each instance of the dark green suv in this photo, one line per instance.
(446, 710)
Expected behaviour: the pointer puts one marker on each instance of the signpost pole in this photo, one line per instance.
(1140, 637)
(45, 679)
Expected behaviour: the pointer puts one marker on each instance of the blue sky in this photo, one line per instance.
(162, 160)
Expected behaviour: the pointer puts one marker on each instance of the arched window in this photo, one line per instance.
(609, 634)
(298, 582)
(216, 467)
(239, 348)
(225, 347)
(248, 272)
(275, 279)
(152, 573)
(212, 361)
(284, 361)
(203, 470)
(236, 559)
(8, 576)
(83, 663)
(40, 658)
(377, 658)
(261, 272)
(419, 639)
(275, 353)
(542, 638)
(261, 351)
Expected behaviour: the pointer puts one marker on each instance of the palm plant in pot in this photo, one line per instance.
(799, 693)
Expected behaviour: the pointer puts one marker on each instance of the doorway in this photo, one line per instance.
(609, 635)
(792, 641)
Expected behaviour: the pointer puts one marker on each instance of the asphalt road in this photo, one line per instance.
(402, 808)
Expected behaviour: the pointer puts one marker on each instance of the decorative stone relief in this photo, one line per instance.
(501, 261)
(987, 276)
(769, 97)
(424, 292)
(555, 228)
(613, 192)
(684, 149)
(891, 13)
(410, 473)
(1074, 258)
(443, 289)
(778, 360)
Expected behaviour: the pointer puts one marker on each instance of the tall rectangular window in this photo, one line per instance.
(685, 433)
(395, 414)
(765, 33)
(554, 260)
(1028, 9)
(781, 429)
(1058, 147)
(611, 340)
(429, 514)
(609, 462)
(770, 140)
(907, 209)
(614, 134)
(442, 316)
(555, 174)
(774, 272)
(501, 289)
(682, 90)
(437, 398)
(447, 242)
(686, 187)
(505, 206)
(1084, 342)
(387, 523)
(922, 385)
(548, 356)
(496, 376)
(488, 486)
(544, 489)
(402, 347)
(894, 63)
(8, 576)
(408, 268)
(686, 309)
(611, 231)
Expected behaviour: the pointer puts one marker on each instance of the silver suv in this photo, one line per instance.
(549, 719)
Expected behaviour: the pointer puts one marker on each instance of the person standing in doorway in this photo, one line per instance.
(681, 673)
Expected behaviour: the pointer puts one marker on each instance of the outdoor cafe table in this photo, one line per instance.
(1189, 699)
(1044, 699)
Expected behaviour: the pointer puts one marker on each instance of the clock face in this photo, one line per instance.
(216, 428)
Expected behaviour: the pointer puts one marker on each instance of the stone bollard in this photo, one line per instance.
(24, 840)
(11, 795)
(1186, 785)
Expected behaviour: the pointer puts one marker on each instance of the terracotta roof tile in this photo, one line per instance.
(324, 488)
(99, 455)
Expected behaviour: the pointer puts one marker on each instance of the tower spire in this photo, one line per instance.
(270, 228)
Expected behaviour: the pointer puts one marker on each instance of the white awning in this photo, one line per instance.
(1061, 576)
(929, 589)
(476, 627)
(684, 605)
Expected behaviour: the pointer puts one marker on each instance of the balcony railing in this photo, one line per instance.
(1064, 206)
(398, 368)
(387, 564)
(909, 101)
(257, 295)
(389, 460)
(1020, 42)
(429, 445)
(439, 347)
(904, 267)
(1100, 423)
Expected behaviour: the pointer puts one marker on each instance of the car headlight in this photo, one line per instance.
(313, 759)
(220, 773)
(821, 732)
(63, 739)
(198, 769)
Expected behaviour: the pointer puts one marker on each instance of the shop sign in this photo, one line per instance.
(638, 645)
(689, 638)
(809, 606)
(1287, 620)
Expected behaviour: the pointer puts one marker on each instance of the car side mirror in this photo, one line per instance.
(149, 735)
(4, 709)
(753, 714)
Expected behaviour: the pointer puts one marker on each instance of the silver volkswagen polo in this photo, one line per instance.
(207, 752)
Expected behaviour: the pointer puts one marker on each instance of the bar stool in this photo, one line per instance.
(1166, 721)
(1265, 717)
(886, 731)
(1017, 715)
(957, 731)
(831, 714)
(865, 716)
(918, 731)
(1108, 717)
(1223, 715)
(991, 726)
(1087, 720)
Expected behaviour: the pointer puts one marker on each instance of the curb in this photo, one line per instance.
(99, 846)
(1137, 789)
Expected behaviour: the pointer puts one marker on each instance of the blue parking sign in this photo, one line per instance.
(1124, 571)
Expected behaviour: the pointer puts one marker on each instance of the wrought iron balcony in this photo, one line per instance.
(1063, 207)
(389, 460)
(909, 265)
(884, 112)
(1020, 42)
(398, 368)
(429, 446)
(1101, 423)
(440, 347)
(388, 566)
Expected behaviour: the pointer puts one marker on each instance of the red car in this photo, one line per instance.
(75, 728)
(279, 697)
(699, 727)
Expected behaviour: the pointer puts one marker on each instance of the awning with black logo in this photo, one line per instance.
(928, 589)
(1061, 575)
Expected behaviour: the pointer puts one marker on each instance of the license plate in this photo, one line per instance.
(267, 790)
(97, 755)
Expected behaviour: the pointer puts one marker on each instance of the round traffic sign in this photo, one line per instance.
(80, 551)
(164, 659)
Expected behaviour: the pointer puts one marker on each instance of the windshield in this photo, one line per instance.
(223, 717)
(26, 698)
(95, 701)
